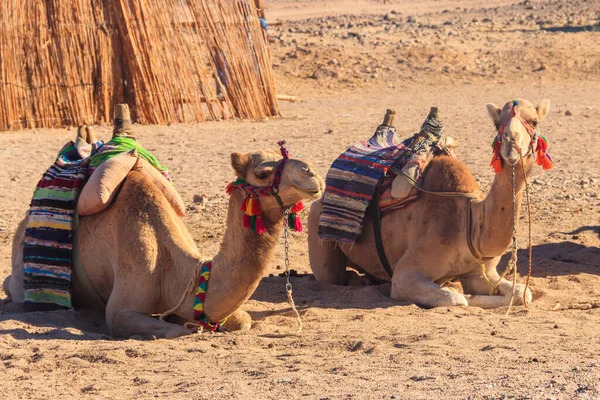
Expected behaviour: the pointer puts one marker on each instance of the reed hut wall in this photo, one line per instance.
(64, 63)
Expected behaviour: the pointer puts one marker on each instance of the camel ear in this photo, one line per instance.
(239, 162)
(494, 111)
(543, 108)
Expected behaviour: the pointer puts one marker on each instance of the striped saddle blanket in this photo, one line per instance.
(353, 179)
(48, 247)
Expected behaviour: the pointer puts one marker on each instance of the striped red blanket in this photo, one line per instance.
(352, 181)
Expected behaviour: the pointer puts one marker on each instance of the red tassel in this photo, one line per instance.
(299, 206)
(229, 188)
(496, 163)
(260, 225)
(543, 160)
(255, 207)
(244, 206)
(542, 145)
(246, 221)
(297, 224)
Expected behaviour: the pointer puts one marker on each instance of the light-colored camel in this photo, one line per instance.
(426, 242)
(140, 258)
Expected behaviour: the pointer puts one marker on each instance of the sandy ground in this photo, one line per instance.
(357, 343)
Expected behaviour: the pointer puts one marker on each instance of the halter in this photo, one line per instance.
(537, 142)
(251, 206)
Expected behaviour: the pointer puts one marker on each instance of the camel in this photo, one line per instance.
(426, 242)
(140, 258)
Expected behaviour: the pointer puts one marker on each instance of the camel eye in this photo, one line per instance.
(263, 175)
(534, 124)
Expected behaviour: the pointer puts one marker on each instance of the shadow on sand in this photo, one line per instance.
(553, 259)
(84, 324)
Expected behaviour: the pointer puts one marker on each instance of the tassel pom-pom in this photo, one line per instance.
(253, 223)
(246, 221)
(255, 210)
(297, 224)
(543, 160)
(542, 144)
(229, 188)
(298, 207)
(260, 225)
(496, 163)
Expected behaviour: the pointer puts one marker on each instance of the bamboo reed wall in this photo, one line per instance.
(68, 62)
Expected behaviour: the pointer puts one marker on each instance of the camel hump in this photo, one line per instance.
(105, 182)
(166, 187)
(448, 174)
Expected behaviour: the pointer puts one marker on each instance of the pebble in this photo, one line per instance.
(568, 113)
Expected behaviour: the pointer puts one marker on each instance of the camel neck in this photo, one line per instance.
(241, 262)
(493, 234)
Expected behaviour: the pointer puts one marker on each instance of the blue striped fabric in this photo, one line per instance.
(352, 181)
(47, 252)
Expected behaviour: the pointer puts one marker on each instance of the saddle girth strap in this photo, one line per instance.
(377, 233)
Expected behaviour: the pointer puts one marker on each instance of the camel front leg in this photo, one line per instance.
(124, 322)
(414, 287)
(327, 261)
(477, 289)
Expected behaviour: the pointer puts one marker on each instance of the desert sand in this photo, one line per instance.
(347, 61)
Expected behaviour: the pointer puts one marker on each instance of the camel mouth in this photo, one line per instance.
(311, 194)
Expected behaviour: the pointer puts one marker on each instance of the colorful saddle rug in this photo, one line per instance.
(372, 167)
(352, 181)
(48, 246)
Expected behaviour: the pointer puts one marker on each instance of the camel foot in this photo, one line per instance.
(506, 291)
(414, 287)
(240, 320)
(501, 300)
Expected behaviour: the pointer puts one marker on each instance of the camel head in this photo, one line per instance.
(519, 136)
(298, 181)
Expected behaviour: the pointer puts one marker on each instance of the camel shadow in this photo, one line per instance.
(558, 259)
(309, 293)
(83, 324)
(572, 29)
(552, 259)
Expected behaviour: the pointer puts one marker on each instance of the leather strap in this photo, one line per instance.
(474, 250)
(377, 233)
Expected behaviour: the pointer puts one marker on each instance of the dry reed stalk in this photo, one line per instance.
(67, 63)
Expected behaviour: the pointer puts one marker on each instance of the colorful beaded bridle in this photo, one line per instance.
(252, 214)
(538, 142)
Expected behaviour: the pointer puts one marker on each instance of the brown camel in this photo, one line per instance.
(140, 258)
(426, 242)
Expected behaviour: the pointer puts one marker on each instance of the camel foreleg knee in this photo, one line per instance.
(240, 320)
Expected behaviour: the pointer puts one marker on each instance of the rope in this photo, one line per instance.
(529, 245)
(512, 264)
(470, 195)
(288, 285)
(189, 289)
